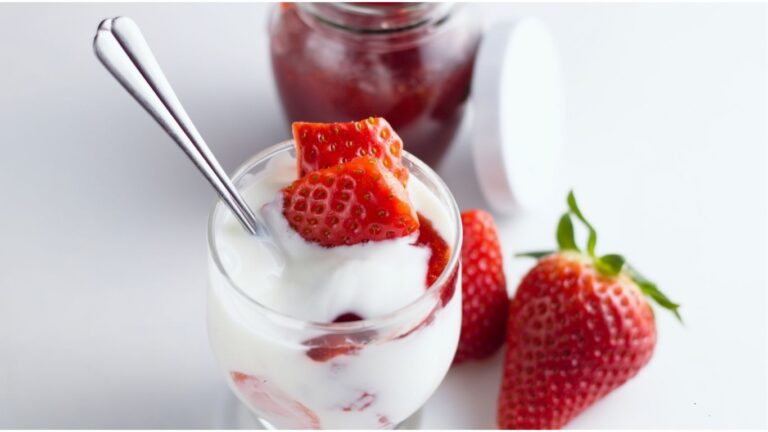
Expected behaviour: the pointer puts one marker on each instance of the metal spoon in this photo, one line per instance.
(122, 49)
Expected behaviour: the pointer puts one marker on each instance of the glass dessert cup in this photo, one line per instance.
(371, 373)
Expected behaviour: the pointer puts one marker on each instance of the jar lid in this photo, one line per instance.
(517, 130)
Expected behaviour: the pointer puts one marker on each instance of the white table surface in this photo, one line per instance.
(102, 281)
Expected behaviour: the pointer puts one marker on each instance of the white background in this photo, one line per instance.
(102, 242)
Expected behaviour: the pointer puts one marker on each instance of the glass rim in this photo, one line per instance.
(341, 327)
(380, 10)
(425, 13)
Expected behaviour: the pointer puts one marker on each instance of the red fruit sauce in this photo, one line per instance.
(362, 403)
(267, 398)
(411, 64)
(328, 346)
(347, 317)
(441, 252)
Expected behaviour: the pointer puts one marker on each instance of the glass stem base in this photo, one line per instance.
(248, 420)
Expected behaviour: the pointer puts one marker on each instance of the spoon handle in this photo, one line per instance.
(122, 49)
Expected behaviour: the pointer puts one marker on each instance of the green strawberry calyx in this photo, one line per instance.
(609, 264)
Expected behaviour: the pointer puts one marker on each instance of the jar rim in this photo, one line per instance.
(377, 18)
(342, 327)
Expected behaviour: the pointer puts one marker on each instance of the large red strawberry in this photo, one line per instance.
(351, 203)
(484, 288)
(579, 326)
(323, 145)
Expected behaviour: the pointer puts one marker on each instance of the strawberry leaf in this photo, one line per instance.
(537, 254)
(565, 238)
(592, 239)
(651, 290)
(610, 265)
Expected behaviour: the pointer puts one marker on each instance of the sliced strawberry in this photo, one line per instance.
(356, 202)
(271, 402)
(323, 145)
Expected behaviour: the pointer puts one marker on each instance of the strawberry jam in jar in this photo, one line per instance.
(408, 62)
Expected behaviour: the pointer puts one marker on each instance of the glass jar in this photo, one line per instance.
(410, 63)
(297, 374)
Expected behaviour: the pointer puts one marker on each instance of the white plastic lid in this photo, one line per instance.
(517, 133)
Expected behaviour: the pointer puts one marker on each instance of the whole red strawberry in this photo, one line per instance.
(484, 289)
(579, 326)
(351, 203)
(323, 145)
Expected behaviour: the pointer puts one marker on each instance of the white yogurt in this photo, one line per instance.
(378, 386)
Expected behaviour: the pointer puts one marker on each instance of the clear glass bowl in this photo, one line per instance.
(279, 365)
